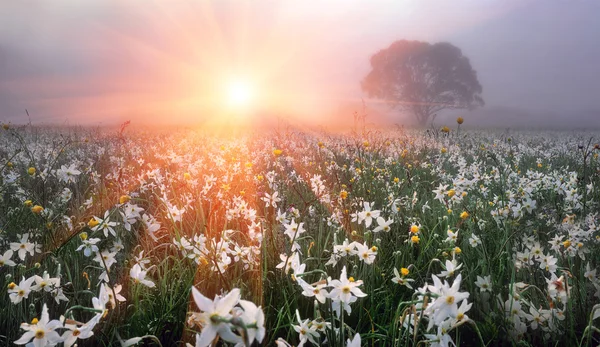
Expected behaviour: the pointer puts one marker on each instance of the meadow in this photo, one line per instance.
(290, 237)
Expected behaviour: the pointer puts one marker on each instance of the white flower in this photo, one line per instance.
(366, 253)
(355, 342)
(214, 313)
(367, 215)
(42, 332)
(317, 291)
(306, 331)
(344, 289)
(451, 268)
(346, 248)
(271, 200)
(484, 283)
(535, 317)
(474, 240)
(78, 331)
(139, 276)
(253, 315)
(89, 246)
(452, 236)
(19, 292)
(445, 304)
(401, 280)
(590, 274)
(5, 259)
(23, 247)
(46, 283)
(383, 225)
(106, 258)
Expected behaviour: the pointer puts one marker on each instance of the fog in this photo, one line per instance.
(103, 62)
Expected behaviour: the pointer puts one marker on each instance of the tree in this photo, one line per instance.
(423, 78)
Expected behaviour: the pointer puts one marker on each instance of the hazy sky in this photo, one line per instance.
(106, 61)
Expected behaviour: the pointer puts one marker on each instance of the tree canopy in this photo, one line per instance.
(423, 78)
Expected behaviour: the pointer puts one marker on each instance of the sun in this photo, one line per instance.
(240, 93)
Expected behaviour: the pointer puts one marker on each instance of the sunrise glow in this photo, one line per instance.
(240, 94)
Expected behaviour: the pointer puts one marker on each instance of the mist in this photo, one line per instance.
(103, 62)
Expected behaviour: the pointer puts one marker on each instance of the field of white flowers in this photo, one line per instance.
(296, 238)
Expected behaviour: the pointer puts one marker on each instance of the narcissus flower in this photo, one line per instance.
(42, 332)
(139, 276)
(214, 315)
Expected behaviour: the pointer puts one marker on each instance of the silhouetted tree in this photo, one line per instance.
(423, 78)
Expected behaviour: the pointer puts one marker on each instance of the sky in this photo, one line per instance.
(106, 61)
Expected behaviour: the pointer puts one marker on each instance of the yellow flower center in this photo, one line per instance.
(39, 334)
(450, 300)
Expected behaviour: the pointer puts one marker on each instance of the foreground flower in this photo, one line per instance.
(445, 304)
(75, 330)
(254, 319)
(41, 331)
(214, 316)
(344, 288)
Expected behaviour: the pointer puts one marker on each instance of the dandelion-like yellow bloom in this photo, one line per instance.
(9, 165)
(124, 199)
(37, 209)
(277, 152)
(28, 203)
(567, 244)
(31, 171)
(414, 228)
(444, 150)
(404, 271)
(460, 120)
(396, 180)
(343, 194)
(464, 215)
(445, 129)
(451, 193)
(187, 176)
(457, 250)
(415, 239)
(92, 223)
